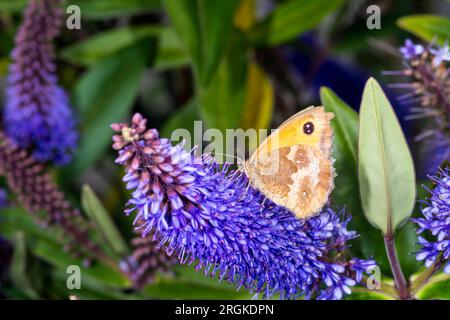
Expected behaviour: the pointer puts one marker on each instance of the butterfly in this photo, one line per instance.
(293, 167)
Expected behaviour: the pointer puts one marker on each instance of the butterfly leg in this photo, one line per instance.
(263, 202)
(246, 189)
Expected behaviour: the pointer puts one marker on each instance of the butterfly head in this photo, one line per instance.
(311, 127)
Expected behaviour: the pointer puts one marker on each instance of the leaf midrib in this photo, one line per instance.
(382, 153)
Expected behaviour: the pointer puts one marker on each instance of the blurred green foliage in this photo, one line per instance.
(215, 61)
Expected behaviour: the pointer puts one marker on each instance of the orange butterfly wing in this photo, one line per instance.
(293, 167)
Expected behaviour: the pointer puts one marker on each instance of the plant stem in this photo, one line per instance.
(399, 278)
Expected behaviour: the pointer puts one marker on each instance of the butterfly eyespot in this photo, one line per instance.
(308, 128)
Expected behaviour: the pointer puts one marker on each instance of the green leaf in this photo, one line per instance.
(172, 288)
(182, 119)
(19, 274)
(364, 294)
(345, 127)
(91, 289)
(170, 52)
(107, 43)
(17, 219)
(181, 289)
(222, 101)
(104, 95)
(52, 253)
(103, 221)
(192, 284)
(437, 288)
(13, 5)
(427, 26)
(346, 192)
(104, 9)
(290, 19)
(385, 166)
(204, 27)
(48, 245)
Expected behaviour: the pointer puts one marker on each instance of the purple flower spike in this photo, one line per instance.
(206, 214)
(37, 113)
(411, 50)
(436, 222)
(426, 93)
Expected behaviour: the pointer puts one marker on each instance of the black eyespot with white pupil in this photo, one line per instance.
(308, 128)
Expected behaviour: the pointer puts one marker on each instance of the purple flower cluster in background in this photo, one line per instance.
(146, 261)
(427, 85)
(37, 113)
(206, 214)
(436, 221)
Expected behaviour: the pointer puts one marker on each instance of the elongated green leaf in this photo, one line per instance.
(182, 119)
(222, 101)
(292, 18)
(191, 284)
(48, 246)
(345, 127)
(176, 289)
(103, 9)
(346, 193)
(385, 167)
(437, 288)
(204, 27)
(427, 26)
(91, 289)
(19, 274)
(13, 5)
(170, 52)
(367, 295)
(96, 9)
(172, 288)
(370, 244)
(52, 253)
(102, 219)
(105, 95)
(107, 43)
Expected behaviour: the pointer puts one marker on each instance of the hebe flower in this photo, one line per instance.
(38, 194)
(37, 113)
(206, 214)
(436, 221)
(146, 261)
(427, 83)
